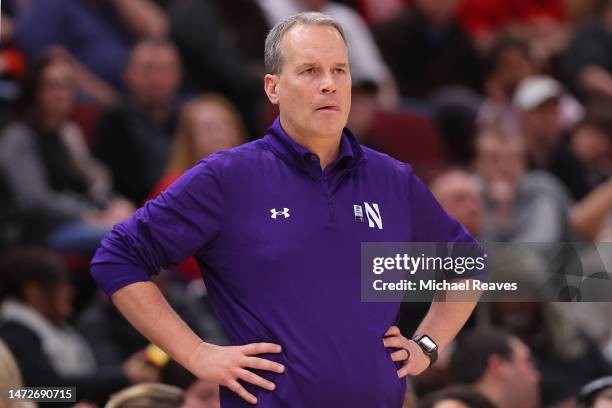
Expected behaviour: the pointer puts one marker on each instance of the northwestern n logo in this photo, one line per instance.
(373, 215)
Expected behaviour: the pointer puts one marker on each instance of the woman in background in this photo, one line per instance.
(207, 124)
(62, 195)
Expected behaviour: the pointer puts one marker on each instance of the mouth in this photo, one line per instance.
(329, 108)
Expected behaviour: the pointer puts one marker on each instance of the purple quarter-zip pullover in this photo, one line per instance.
(279, 244)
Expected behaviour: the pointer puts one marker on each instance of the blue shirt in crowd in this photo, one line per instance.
(279, 245)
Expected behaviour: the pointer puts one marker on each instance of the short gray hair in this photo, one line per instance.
(273, 53)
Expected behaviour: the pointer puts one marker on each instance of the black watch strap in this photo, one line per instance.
(428, 346)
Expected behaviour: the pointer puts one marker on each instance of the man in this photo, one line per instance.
(272, 224)
(134, 137)
(426, 49)
(497, 365)
(459, 194)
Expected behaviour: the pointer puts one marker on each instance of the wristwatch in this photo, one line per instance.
(428, 346)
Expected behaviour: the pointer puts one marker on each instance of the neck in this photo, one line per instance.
(157, 112)
(326, 147)
(51, 123)
(493, 393)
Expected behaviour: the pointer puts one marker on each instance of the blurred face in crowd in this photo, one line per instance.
(511, 67)
(500, 157)
(153, 74)
(212, 128)
(439, 12)
(590, 144)
(56, 92)
(54, 302)
(542, 125)
(313, 89)
(521, 377)
(458, 193)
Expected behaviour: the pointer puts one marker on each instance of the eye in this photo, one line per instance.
(339, 71)
(309, 71)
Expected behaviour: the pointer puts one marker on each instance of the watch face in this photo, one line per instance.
(428, 344)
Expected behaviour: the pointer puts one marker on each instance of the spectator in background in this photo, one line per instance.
(458, 193)
(582, 158)
(545, 112)
(365, 59)
(509, 62)
(206, 125)
(148, 395)
(520, 206)
(586, 64)
(543, 23)
(62, 194)
(426, 49)
(36, 306)
(98, 33)
(215, 53)
(134, 137)
(539, 100)
(456, 397)
(565, 355)
(498, 366)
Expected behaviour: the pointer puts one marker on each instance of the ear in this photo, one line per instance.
(497, 366)
(32, 293)
(271, 87)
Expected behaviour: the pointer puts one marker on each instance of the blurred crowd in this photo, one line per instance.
(503, 106)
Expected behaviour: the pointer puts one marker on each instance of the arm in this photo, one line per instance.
(143, 18)
(445, 316)
(589, 215)
(175, 225)
(595, 79)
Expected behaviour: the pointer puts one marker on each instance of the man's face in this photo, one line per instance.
(313, 90)
(459, 196)
(543, 123)
(498, 159)
(153, 74)
(522, 378)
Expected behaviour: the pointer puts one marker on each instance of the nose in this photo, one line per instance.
(328, 84)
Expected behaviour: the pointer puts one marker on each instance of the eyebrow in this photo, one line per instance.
(310, 64)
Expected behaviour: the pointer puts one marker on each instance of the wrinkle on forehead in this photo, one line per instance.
(314, 41)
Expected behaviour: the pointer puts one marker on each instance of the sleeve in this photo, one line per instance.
(431, 223)
(40, 25)
(177, 224)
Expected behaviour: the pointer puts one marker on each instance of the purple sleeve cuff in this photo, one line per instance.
(112, 277)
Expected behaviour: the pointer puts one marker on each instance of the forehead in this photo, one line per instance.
(147, 53)
(312, 43)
